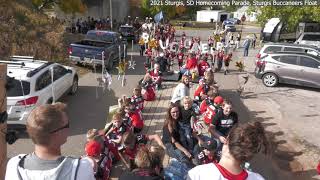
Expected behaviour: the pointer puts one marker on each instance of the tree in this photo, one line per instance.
(291, 15)
(67, 6)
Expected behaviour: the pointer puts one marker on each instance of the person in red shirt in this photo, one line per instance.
(191, 62)
(115, 133)
(190, 65)
(203, 66)
(101, 162)
(156, 75)
(134, 115)
(211, 108)
(318, 168)
(148, 90)
(227, 59)
(219, 58)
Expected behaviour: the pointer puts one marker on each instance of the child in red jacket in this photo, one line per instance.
(134, 115)
(203, 66)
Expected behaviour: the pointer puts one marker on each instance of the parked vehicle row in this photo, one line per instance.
(290, 64)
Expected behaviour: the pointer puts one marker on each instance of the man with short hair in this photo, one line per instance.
(47, 126)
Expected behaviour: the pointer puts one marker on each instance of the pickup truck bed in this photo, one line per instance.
(90, 50)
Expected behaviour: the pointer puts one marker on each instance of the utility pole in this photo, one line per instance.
(3, 125)
(111, 20)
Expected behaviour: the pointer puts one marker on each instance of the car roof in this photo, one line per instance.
(20, 71)
(293, 53)
(293, 45)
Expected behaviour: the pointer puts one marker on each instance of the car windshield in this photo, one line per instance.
(100, 36)
(17, 88)
(311, 37)
(126, 29)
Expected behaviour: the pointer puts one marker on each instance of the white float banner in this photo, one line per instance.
(145, 36)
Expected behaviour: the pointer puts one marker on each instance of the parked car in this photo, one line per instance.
(96, 43)
(230, 28)
(296, 68)
(128, 32)
(278, 47)
(31, 84)
(233, 21)
(309, 38)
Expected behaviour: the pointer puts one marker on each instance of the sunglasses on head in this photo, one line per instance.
(64, 127)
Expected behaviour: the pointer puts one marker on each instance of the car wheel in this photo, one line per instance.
(74, 87)
(270, 79)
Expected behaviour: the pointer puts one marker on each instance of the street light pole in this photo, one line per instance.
(111, 20)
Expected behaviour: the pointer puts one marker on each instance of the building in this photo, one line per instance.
(250, 16)
(212, 15)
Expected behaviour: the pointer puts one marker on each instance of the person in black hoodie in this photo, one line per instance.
(222, 122)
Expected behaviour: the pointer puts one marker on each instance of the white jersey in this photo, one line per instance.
(211, 172)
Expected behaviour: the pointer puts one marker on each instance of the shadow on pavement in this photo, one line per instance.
(280, 162)
(89, 109)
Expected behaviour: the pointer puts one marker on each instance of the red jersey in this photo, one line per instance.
(156, 75)
(148, 52)
(219, 55)
(202, 67)
(191, 63)
(198, 91)
(209, 114)
(136, 119)
(204, 104)
(138, 101)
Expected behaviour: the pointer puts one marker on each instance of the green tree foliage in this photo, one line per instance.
(67, 6)
(291, 15)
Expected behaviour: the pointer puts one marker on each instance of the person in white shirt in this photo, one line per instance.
(181, 90)
(48, 126)
(243, 142)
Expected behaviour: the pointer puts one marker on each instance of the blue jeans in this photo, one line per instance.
(246, 52)
(175, 153)
(186, 138)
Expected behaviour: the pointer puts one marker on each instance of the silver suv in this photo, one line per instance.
(289, 67)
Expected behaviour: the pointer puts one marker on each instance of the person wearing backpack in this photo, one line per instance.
(47, 126)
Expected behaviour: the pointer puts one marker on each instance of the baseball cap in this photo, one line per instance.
(210, 145)
(218, 100)
(93, 148)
